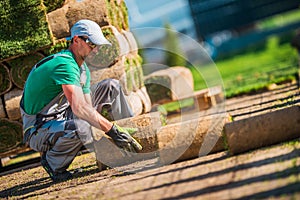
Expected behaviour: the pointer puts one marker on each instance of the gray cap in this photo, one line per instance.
(91, 30)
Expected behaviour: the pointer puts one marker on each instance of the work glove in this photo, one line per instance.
(123, 139)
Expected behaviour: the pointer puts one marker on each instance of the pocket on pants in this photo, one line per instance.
(39, 141)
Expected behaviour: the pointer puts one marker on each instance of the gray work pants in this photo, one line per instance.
(61, 140)
(109, 93)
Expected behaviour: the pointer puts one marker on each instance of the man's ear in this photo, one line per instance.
(75, 39)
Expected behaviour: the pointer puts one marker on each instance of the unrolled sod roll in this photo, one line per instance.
(263, 130)
(170, 143)
(191, 139)
(108, 154)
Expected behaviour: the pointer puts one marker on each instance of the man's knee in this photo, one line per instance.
(112, 84)
(105, 87)
(84, 131)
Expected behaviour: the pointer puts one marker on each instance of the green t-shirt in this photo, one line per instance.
(44, 83)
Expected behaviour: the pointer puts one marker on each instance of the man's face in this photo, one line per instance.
(85, 47)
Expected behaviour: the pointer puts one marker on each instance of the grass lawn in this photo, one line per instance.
(276, 63)
(274, 60)
(247, 72)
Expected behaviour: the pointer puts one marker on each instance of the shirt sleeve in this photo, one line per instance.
(66, 72)
(86, 87)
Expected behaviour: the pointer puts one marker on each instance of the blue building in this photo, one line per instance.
(148, 18)
(221, 26)
(158, 13)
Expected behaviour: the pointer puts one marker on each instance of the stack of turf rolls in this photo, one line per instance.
(24, 29)
(33, 29)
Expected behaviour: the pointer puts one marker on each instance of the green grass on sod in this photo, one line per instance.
(24, 27)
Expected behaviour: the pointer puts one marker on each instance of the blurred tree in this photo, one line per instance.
(174, 55)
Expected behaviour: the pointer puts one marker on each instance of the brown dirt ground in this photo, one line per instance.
(267, 173)
(272, 172)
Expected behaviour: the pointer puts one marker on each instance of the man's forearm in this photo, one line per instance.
(88, 99)
(89, 114)
(84, 109)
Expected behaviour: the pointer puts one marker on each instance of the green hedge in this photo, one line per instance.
(23, 27)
